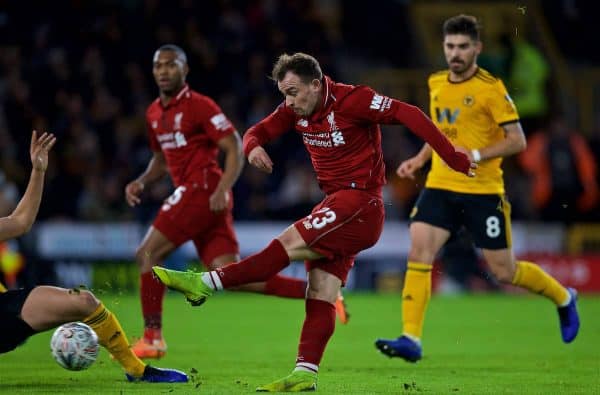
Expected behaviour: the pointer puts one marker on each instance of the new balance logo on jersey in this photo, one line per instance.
(444, 115)
(220, 122)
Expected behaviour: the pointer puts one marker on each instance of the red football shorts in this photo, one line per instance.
(185, 215)
(343, 224)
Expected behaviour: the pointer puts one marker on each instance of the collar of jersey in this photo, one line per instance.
(327, 99)
(177, 97)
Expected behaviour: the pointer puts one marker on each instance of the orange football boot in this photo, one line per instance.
(341, 310)
(146, 350)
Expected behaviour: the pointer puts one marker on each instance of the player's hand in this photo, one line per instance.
(39, 149)
(219, 200)
(409, 167)
(259, 158)
(463, 162)
(133, 190)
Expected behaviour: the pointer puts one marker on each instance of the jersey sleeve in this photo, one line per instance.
(500, 105)
(213, 121)
(278, 122)
(366, 105)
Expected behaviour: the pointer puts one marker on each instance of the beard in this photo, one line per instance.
(461, 66)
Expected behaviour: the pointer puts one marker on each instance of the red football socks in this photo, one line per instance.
(318, 327)
(152, 294)
(285, 287)
(255, 268)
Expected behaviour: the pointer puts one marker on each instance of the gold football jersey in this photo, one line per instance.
(471, 114)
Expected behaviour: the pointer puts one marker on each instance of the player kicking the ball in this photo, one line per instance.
(340, 127)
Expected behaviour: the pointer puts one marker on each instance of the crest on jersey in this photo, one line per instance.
(469, 100)
(177, 122)
(331, 119)
(303, 123)
(154, 124)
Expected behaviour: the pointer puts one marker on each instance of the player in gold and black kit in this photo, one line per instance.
(475, 111)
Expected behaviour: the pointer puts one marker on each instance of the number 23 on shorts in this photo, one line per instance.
(319, 219)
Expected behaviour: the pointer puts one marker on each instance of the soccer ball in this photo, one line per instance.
(74, 346)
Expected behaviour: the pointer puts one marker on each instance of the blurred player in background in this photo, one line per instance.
(25, 312)
(340, 128)
(474, 110)
(186, 132)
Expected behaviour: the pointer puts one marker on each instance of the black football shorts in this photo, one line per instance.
(13, 330)
(486, 217)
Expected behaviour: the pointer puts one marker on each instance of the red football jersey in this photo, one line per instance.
(186, 130)
(343, 136)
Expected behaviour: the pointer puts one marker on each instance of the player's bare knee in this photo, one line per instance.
(321, 294)
(321, 287)
(311, 289)
(290, 239)
(87, 302)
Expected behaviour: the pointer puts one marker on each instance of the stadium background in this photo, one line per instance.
(82, 70)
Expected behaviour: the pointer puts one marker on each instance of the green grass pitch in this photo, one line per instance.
(481, 344)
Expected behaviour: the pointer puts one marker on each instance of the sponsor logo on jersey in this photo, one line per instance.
(446, 115)
(324, 139)
(338, 138)
(220, 122)
(317, 139)
(376, 102)
(171, 140)
(336, 134)
(180, 140)
(380, 103)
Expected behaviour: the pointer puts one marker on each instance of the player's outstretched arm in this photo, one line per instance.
(423, 127)
(156, 169)
(22, 218)
(231, 145)
(366, 104)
